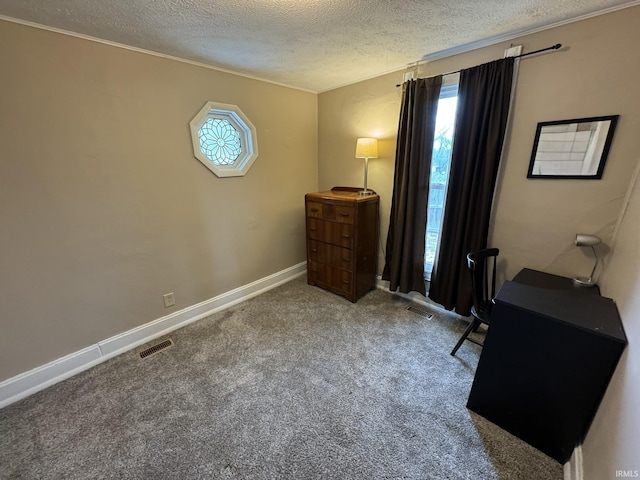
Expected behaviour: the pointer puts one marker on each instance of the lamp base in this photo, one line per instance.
(365, 192)
(583, 282)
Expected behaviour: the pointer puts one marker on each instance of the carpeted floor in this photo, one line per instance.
(294, 384)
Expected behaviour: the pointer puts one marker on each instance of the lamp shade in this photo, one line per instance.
(367, 148)
(585, 240)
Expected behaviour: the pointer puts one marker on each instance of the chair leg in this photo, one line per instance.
(475, 323)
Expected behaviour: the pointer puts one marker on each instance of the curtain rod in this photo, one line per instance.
(553, 47)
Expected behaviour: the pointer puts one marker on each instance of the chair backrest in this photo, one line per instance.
(482, 265)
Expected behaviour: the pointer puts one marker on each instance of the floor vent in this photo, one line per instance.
(423, 312)
(147, 352)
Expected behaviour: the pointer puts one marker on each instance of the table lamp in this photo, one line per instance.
(585, 240)
(366, 148)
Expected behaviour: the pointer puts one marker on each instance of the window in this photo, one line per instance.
(224, 139)
(440, 163)
(219, 141)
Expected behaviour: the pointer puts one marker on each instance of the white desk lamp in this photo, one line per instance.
(366, 148)
(585, 240)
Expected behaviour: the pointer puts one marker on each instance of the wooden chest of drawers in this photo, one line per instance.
(342, 241)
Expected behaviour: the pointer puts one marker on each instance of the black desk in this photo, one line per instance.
(549, 354)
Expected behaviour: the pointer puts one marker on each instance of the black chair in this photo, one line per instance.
(482, 265)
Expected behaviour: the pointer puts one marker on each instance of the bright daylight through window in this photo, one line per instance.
(219, 141)
(440, 163)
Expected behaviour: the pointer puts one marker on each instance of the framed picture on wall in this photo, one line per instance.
(572, 149)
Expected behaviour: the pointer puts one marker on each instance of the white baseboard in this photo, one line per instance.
(573, 468)
(28, 383)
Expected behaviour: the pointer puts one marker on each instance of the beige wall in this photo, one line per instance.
(535, 221)
(612, 443)
(103, 207)
(361, 110)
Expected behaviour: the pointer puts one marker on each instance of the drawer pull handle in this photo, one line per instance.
(346, 282)
(346, 259)
(346, 235)
(314, 250)
(315, 210)
(312, 228)
(344, 214)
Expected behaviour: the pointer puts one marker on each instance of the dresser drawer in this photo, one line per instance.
(340, 234)
(329, 211)
(331, 278)
(332, 254)
(314, 209)
(344, 214)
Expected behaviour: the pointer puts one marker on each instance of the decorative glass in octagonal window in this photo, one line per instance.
(224, 140)
(219, 141)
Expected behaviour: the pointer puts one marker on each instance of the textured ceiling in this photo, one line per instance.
(314, 45)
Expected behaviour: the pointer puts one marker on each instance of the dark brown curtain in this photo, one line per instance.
(483, 106)
(404, 262)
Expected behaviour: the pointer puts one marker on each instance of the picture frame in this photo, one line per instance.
(572, 149)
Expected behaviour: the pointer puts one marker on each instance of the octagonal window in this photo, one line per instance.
(224, 139)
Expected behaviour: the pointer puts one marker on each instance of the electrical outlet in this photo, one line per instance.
(169, 300)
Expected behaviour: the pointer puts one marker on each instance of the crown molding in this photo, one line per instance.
(146, 52)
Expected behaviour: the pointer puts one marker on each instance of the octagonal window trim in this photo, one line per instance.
(224, 139)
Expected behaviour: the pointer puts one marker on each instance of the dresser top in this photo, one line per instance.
(350, 194)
